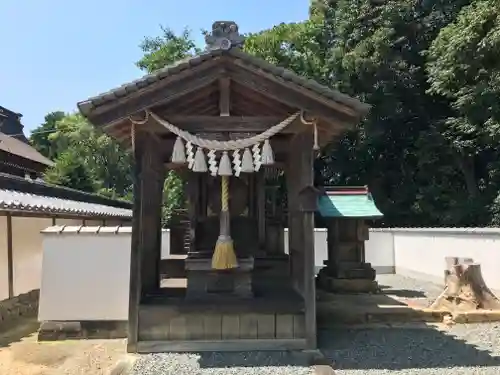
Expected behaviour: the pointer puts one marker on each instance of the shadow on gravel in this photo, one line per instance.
(252, 359)
(402, 293)
(400, 349)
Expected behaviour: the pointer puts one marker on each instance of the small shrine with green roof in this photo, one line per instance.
(345, 212)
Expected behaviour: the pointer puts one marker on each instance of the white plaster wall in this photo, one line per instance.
(379, 251)
(85, 277)
(27, 252)
(421, 252)
(4, 280)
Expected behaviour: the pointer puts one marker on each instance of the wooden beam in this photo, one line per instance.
(297, 88)
(185, 83)
(251, 124)
(10, 257)
(288, 94)
(224, 96)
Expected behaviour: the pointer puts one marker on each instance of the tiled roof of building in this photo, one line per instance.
(19, 194)
(15, 146)
(11, 200)
(347, 202)
(124, 90)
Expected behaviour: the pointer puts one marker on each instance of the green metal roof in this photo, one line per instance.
(348, 202)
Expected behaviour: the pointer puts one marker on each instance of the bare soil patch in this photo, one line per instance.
(22, 354)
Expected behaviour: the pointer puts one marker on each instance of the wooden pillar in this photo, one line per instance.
(303, 226)
(292, 181)
(261, 209)
(193, 197)
(309, 279)
(10, 256)
(149, 175)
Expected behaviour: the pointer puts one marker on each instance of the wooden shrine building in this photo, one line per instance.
(227, 122)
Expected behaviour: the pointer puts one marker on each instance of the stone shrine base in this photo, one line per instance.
(205, 283)
(347, 277)
(335, 285)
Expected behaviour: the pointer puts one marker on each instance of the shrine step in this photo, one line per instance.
(173, 266)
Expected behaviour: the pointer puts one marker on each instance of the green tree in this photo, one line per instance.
(40, 136)
(106, 162)
(166, 49)
(462, 67)
(103, 161)
(377, 54)
(70, 171)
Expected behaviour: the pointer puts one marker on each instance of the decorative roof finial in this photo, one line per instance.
(224, 36)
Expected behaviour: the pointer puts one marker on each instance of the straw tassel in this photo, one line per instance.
(267, 153)
(247, 162)
(225, 165)
(224, 257)
(200, 164)
(178, 153)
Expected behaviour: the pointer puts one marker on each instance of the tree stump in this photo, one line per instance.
(465, 289)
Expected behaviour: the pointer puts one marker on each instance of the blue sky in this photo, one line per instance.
(55, 53)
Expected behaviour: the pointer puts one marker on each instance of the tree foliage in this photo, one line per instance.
(166, 49)
(82, 153)
(427, 149)
(70, 171)
(40, 136)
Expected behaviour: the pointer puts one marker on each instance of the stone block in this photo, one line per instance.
(335, 285)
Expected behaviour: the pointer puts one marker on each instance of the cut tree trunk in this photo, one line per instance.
(465, 289)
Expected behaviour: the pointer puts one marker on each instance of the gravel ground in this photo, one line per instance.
(460, 350)
(405, 288)
(241, 363)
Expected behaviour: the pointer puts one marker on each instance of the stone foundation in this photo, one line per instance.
(332, 284)
(52, 331)
(347, 277)
(23, 305)
(205, 283)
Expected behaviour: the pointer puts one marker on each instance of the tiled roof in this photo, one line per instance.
(355, 202)
(87, 106)
(11, 200)
(15, 146)
(17, 193)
